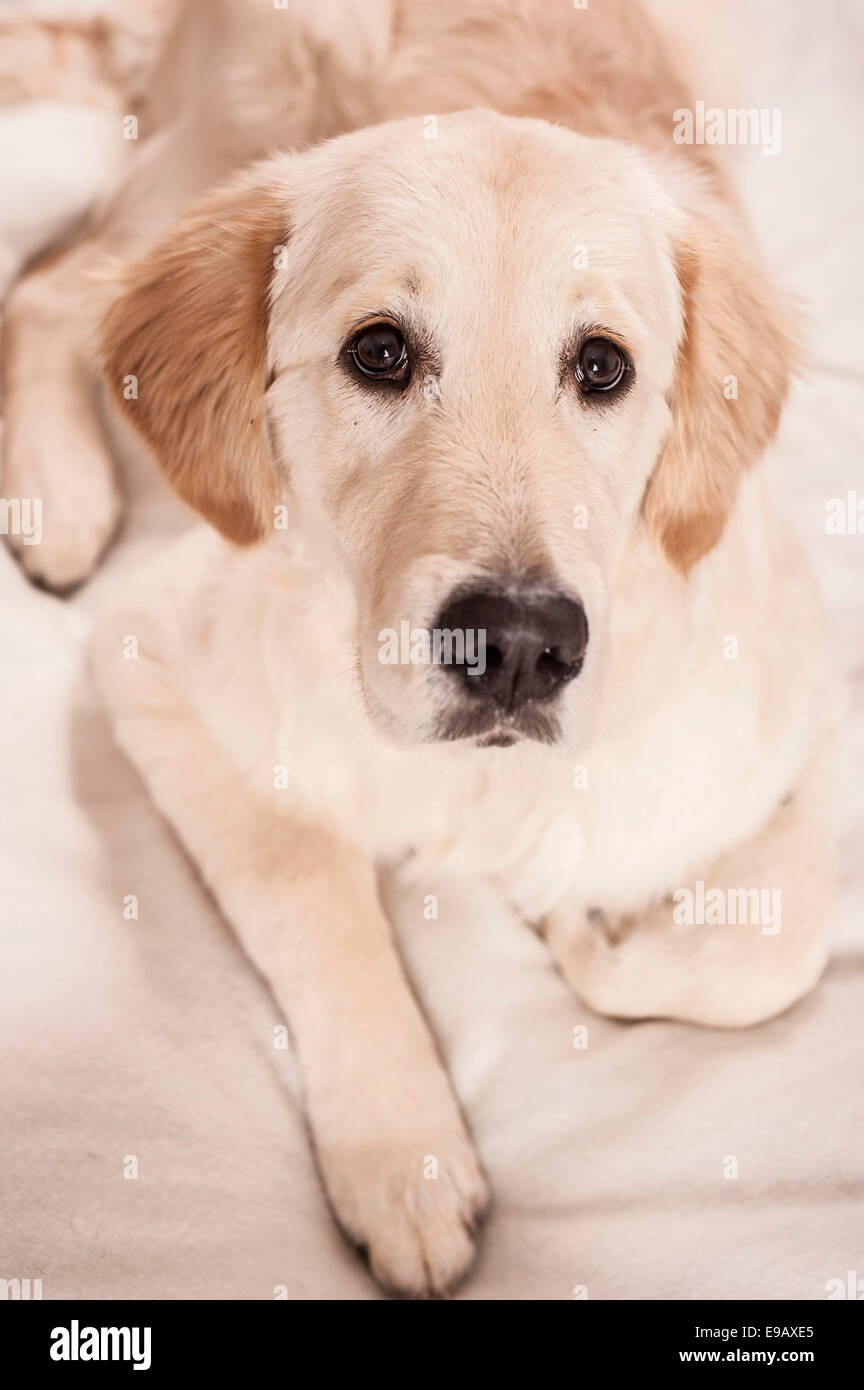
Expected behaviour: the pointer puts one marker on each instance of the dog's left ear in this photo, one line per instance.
(731, 381)
(185, 353)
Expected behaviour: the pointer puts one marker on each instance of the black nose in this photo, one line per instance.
(533, 645)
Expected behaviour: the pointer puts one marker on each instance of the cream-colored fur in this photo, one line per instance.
(243, 674)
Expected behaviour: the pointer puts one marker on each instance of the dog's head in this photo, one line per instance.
(474, 364)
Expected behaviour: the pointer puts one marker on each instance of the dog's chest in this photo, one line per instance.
(522, 832)
(670, 784)
(623, 826)
(620, 826)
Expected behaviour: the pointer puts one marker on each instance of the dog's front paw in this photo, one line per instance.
(64, 479)
(412, 1203)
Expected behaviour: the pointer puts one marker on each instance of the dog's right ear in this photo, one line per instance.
(735, 328)
(185, 354)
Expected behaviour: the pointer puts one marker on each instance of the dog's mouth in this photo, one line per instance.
(500, 740)
(486, 727)
(470, 722)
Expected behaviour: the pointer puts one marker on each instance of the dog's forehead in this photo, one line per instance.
(486, 201)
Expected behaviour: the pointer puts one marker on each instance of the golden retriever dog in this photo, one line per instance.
(471, 380)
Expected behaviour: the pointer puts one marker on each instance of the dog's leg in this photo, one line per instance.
(393, 1149)
(728, 975)
(54, 446)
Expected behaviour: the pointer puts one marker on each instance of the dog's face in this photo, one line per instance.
(474, 364)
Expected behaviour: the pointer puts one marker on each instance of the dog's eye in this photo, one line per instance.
(380, 352)
(600, 365)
